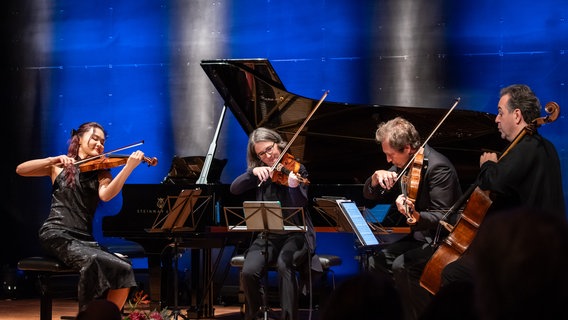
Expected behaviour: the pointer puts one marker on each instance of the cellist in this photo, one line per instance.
(438, 190)
(529, 175)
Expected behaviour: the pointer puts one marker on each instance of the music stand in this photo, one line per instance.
(365, 236)
(261, 215)
(329, 207)
(178, 213)
(174, 221)
(266, 217)
(358, 224)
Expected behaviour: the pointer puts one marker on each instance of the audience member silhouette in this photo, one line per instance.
(521, 258)
(100, 310)
(365, 296)
(453, 301)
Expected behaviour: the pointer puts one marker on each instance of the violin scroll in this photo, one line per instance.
(151, 161)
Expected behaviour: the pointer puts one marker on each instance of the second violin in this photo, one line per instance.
(282, 170)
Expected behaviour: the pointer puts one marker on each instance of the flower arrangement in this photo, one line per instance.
(136, 313)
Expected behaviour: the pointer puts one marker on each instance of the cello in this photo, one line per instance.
(465, 229)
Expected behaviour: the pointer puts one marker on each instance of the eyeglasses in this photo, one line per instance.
(268, 150)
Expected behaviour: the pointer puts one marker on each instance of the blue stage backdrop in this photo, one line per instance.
(133, 66)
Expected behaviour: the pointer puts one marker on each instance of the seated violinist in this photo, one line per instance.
(437, 190)
(67, 232)
(290, 250)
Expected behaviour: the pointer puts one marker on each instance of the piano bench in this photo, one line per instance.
(327, 261)
(45, 268)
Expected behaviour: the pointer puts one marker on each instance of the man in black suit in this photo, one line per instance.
(438, 188)
(527, 176)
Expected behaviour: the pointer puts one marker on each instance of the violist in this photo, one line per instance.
(438, 190)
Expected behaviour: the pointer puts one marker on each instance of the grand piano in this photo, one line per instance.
(337, 146)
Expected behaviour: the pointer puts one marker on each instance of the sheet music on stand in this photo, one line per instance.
(358, 224)
(264, 216)
(183, 208)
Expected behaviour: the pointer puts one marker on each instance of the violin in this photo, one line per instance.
(103, 163)
(411, 181)
(284, 167)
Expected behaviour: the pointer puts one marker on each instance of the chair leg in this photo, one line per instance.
(46, 301)
(332, 279)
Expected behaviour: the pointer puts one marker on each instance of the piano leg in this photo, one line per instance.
(201, 290)
(154, 279)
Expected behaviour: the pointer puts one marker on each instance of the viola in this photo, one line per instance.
(411, 173)
(103, 163)
(478, 203)
(410, 182)
(284, 167)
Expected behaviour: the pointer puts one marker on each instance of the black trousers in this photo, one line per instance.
(405, 260)
(284, 250)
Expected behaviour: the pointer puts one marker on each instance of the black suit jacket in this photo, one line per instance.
(439, 189)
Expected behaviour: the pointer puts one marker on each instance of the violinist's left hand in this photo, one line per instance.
(135, 159)
(293, 181)
(403, 204)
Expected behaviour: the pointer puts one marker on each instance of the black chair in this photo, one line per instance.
(46, 269)
(327, 261)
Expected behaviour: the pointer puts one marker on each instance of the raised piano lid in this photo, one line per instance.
(337, 145)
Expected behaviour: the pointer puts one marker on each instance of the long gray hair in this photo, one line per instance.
(261, 134)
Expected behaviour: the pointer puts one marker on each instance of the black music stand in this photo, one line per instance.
(266, 217)
(175, 219)
(329, 207)
(178, 213)
(367, 242)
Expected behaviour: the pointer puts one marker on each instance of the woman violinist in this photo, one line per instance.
(67, 231)
(290, 251)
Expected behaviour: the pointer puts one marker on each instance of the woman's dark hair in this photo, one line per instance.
(73, 150)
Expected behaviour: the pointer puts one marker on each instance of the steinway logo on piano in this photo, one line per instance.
(160, 204)
(148, 211)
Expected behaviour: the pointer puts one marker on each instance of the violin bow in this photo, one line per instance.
(299, 130)
(109, 152)
(457, 100)
(283, 152)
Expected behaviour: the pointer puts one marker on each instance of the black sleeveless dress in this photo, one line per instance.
(67, 235)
